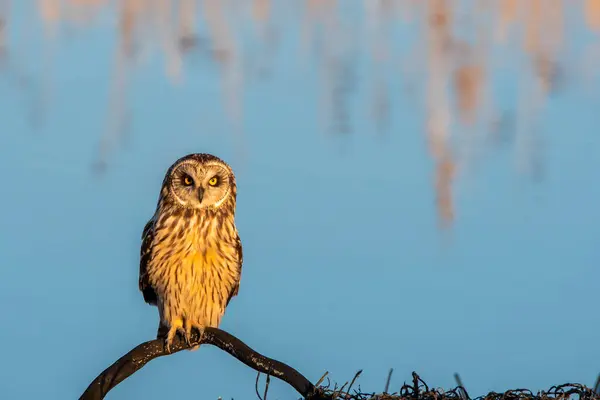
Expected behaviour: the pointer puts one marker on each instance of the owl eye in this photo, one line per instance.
(187, 180)
(213, 181)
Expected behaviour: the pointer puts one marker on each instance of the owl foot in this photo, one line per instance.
(200, 329)
(176, 326)
(188, 332)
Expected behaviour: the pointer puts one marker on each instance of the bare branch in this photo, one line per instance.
(354, 379)
(387, 382)
(463, 392)
(322, 378)
(267, 387)
(133, 361)
(256, 386)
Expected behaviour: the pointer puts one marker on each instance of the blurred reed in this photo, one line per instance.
(458, 46)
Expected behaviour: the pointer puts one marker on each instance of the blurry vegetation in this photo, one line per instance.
(459, 46)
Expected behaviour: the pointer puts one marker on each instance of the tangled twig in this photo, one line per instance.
(419, 390)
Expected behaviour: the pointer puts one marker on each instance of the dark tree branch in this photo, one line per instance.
(131, 362)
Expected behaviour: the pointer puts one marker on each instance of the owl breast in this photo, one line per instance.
(194, 269)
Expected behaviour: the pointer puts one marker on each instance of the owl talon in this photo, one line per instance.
(200, 332)
(176, 327)
(168, 345)
(169, 340)
(188, 332)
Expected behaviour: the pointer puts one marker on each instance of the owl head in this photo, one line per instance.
(199, 181)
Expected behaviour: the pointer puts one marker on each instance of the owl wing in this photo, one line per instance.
(145, 256)
(236, 287)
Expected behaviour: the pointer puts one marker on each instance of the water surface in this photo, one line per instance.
(418, 188)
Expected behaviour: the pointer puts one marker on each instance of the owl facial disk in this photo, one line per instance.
(200, 186)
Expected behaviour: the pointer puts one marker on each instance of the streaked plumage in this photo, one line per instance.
(191, 254)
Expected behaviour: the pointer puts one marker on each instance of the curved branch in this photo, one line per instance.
(131, 362)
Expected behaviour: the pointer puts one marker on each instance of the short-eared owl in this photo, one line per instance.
(191, 255)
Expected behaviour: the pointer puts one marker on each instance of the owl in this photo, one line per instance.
(191, 253)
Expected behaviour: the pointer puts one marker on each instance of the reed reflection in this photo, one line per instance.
(458, 49)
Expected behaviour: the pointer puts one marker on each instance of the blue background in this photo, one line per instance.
(346, 266)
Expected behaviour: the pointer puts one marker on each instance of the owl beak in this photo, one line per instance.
(200, 194)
